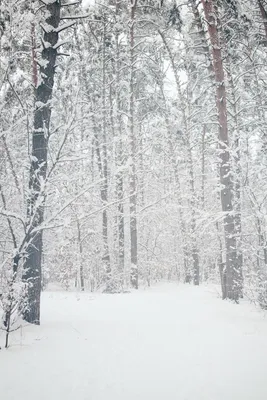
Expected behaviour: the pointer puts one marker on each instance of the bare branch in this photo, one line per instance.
(70, 4)
(8, 219)
(74, 16)
(65, 26)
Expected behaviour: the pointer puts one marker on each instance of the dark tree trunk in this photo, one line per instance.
(35, 213)
(232, 273)
(263, 7)
(201, 32)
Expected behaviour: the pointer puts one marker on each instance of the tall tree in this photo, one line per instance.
(233, 278)
(133, 147)
(41, 130)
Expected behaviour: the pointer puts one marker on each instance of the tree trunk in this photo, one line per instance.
(201, 33)
(104, 187)
(119, 159)
(232, 274)
(35, 212)
(264, 15)
(237, 170)
(194, 249)
(80, 252)
(222, 266)
(133, 150)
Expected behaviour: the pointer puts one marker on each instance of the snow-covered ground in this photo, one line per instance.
(171, 342)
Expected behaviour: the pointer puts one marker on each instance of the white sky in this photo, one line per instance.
(86, 2)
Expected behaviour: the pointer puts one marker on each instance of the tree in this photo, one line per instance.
(233, 275)
(133, 147)
(38, 171)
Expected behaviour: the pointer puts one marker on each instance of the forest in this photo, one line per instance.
(132, 148)
(133, 199)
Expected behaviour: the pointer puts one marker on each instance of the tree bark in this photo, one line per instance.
(104, 188)
(263, 11)
(36, 201)
(232, 274)
(119, 157)
(133, 149)
(80, 252)
(237, 170)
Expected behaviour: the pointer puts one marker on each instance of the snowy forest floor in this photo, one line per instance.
(169, 342)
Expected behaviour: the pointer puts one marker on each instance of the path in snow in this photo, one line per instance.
(173, 342)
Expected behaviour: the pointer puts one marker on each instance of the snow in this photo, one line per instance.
(170, 342)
